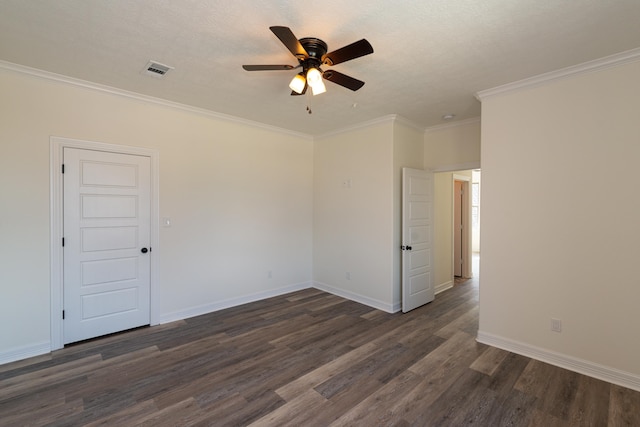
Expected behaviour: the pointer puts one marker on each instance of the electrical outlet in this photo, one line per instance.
(270, 274)
(556, 325)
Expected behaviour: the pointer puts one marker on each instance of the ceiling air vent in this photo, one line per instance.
(156, 69)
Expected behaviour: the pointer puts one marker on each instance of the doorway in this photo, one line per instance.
(444, 184)
(111, 264)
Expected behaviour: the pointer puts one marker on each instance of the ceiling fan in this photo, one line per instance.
(311, 53)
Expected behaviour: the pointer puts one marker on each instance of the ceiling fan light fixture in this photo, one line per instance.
(314, 76)
(318, 88)
(298, 83)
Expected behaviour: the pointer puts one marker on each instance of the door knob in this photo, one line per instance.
(144, 250)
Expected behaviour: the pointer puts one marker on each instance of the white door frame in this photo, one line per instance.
(466, 225)
(57, 145)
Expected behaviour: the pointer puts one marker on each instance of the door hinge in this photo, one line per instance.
(62, 314)
(63, 168)
(150, 249)
(63, 242)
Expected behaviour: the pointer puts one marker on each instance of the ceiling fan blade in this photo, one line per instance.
(347, 53)
(267, 67)
(287, 38)
(343, 80)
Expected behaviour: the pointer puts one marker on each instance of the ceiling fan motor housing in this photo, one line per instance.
(316, 49)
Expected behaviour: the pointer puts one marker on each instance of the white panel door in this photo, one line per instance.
(417, 232)
(107, 231)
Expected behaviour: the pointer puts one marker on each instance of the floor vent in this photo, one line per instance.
(156, 69)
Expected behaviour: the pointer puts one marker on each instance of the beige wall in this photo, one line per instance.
(353, 226)
(239, 196)
(454, 146)
(560, 222)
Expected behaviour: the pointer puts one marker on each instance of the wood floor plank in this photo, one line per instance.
(219, 379)
(322, 373)
(24, 383)
(25, 363)
(304, 294)
(512, 408)
(272, 331)
(44, 414)
(459, 348)
(326, 302)
(466, 401)
(379, 408)
(508, 373)
(591, 403)
(460, 323)
(543, 419)
(489, 360)
(359, 372)
(129, 415)
(624, 407)
(307, 359)
(237, 411)
(182, 413)
(555, 388)
(293, 412)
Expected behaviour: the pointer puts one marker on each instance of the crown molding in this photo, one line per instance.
(617, 59)
(452, 124)
(384, 119)
(408, 123)
(47, 75)
(389, 118)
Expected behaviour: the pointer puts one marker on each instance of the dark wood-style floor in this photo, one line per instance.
(308, 359)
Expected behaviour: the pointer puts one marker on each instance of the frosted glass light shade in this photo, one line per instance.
(318, 88)
(314, 76)
(297, 84)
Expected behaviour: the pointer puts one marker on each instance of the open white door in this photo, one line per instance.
(417, 232)
(107, 233)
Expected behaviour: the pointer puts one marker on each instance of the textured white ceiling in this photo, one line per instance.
(431, 56)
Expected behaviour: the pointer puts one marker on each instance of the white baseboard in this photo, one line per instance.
(231, 302)
(371, 302)
(25, 352)
(443, 287)
(601, 372)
